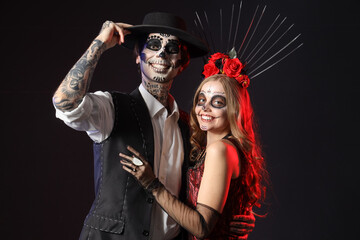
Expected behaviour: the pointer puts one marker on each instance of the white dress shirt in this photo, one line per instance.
(95, 115)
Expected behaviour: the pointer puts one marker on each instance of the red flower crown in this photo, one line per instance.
(230, 66)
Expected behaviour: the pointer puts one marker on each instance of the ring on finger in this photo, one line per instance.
(136, 161)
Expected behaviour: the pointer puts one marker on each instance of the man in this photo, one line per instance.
(147, 119)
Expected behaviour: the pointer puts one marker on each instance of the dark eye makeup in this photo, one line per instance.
(217, 101)
(153, 44)
(172, 47)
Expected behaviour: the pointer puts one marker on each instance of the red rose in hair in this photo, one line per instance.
(232, 67)
(243, 80)
(217, 56)
(210, 69)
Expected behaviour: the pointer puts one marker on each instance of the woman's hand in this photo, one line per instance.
(113, 33)
(138, 167)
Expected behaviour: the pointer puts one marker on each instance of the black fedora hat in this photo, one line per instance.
(161, 22)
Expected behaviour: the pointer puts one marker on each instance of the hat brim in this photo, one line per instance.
(196, 47)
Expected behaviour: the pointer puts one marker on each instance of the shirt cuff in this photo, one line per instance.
(81, 112)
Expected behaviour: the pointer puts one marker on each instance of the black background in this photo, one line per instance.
(307, 108)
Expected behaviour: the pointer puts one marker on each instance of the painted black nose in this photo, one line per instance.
(162, 54)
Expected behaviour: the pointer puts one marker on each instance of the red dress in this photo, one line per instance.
(234, 203)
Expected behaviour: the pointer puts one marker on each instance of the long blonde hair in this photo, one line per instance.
(241, 120)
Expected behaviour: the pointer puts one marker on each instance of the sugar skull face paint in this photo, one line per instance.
(160, 59)
(211, 108)
(154, 43)
(217, 101)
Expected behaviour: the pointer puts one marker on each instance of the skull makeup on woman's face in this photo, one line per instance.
(211, 108)
(160, 59)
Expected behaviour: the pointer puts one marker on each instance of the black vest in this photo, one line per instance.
(122, 209)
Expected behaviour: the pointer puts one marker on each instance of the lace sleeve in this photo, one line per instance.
(199, 222)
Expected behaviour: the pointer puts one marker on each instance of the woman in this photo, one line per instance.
(228, 168)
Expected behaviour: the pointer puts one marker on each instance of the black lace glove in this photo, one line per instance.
(198, 222)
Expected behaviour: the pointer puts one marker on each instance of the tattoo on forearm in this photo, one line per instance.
(77, 81)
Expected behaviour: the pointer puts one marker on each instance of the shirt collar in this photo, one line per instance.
(154, 106)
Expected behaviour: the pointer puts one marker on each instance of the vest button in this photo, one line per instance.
(145, 233)
(150, 200)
